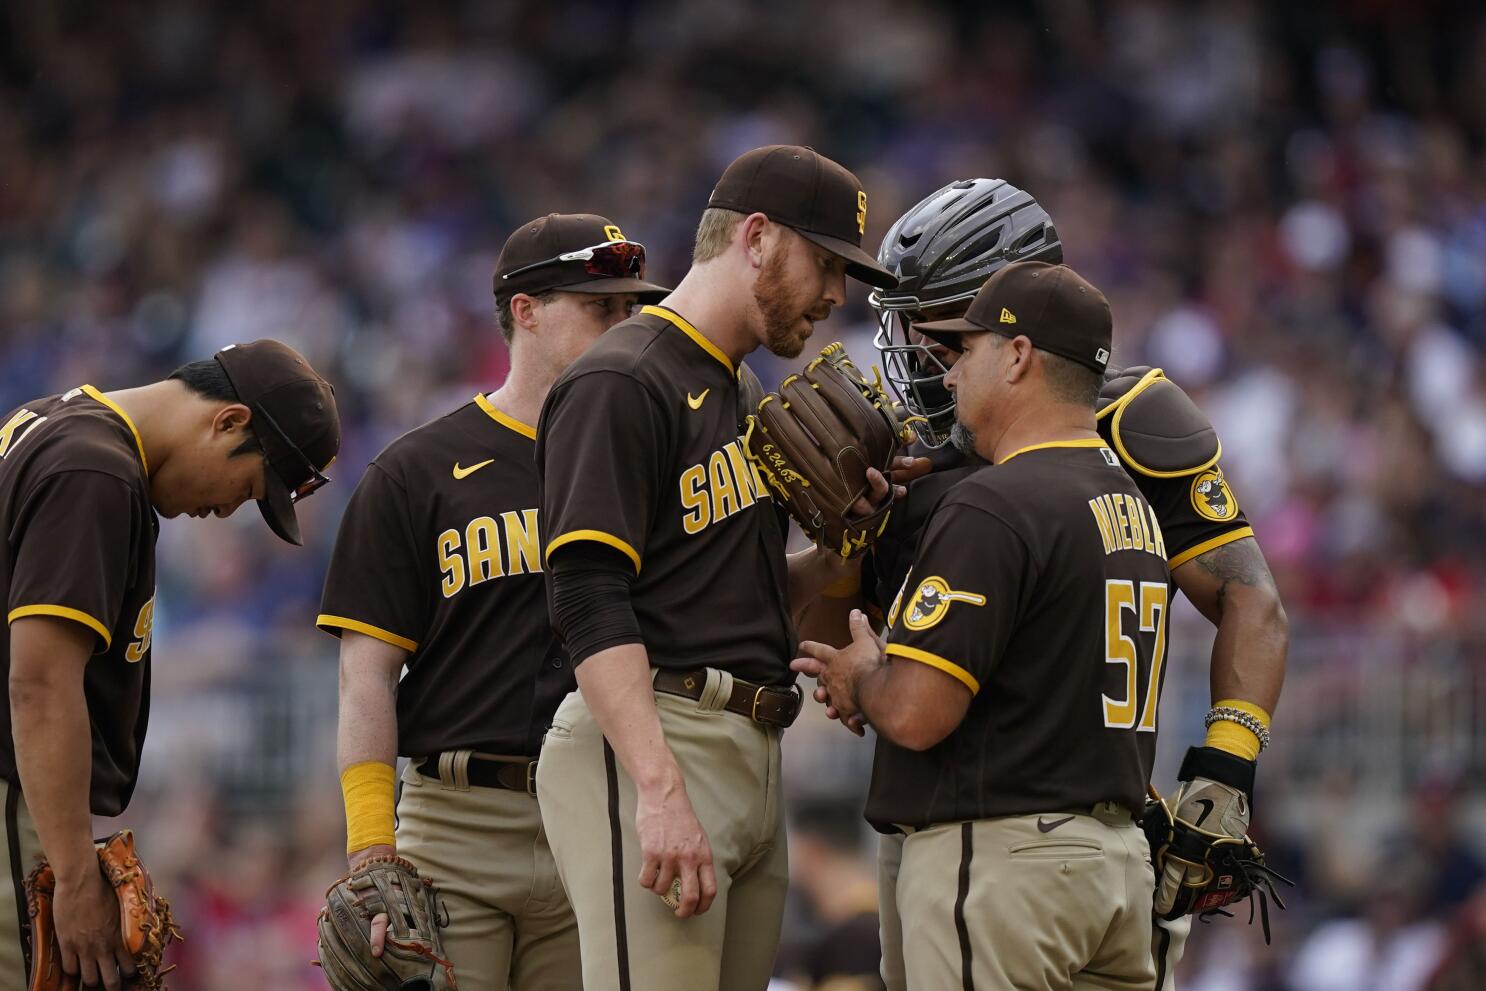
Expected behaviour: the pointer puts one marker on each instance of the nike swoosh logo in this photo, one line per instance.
(1207, 810)
(1048, 827)
(467, 472)
(698, 401)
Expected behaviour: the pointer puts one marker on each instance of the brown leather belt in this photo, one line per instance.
(771, 705)
(485, 771)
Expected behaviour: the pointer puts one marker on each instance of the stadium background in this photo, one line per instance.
(1286, 204)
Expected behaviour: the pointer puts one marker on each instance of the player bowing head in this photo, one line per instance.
(82, 476)
(787, 224)
(253, 422)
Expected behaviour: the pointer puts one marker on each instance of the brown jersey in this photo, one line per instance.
(80, 545)
(640, 450)
(439, 553)
(1041, 585)
(1196, 508)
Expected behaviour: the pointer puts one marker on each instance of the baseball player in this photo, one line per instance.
(1163, 440)
(438, 569)
(668, 580)
(84, 477)
(1022, 667)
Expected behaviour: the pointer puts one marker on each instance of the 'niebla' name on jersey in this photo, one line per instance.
(1127, 523)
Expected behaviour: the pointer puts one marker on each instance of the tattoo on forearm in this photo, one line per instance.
(1238, 563)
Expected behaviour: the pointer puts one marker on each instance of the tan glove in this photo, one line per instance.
(1210, 807)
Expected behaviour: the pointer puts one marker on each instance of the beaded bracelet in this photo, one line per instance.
(1247, 720)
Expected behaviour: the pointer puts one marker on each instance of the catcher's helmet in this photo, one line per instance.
(943, 250)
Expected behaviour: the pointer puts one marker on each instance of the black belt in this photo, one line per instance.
(772, 705)
(511, 773)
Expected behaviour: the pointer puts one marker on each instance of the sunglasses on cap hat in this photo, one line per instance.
(609, 260)
(315, 480)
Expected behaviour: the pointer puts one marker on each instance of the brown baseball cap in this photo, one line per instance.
(573, 252)
(1052, 305)
(294, 418)
(822, 201)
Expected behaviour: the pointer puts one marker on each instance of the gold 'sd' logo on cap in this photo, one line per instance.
(1007, 316)
(1212, 498)
(861, 211)
(613, 233)
(931, 601)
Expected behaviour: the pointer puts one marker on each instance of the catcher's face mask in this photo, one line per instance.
(915, 366)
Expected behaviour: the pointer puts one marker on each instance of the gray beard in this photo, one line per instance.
(962, 439)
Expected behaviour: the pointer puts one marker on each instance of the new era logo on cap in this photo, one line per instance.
(1059, 312)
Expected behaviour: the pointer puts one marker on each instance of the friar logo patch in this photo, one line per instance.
(1212, 498)
(931, 601)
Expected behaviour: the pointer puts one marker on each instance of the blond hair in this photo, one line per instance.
(715, 233)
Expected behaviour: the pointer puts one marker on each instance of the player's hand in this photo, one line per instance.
(905, 470)
(87, 919)
(838, 670)
(857, 723)
(379, 921)
(877, 487)
(674, 846)
(1212, 807)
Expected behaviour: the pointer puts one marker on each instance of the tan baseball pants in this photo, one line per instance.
(22, 851)
(1003, 905)
(510, 925)
(1168, 939)
(631, 940)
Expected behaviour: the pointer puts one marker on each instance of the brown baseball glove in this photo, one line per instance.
(814, 440)
(413, 952)
(145, 923)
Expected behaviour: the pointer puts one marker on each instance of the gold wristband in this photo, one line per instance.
(1238, 727)
(367, 788)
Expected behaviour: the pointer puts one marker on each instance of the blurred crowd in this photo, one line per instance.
(1286, 205)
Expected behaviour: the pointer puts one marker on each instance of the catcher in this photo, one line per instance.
(669, 583)
(83, 476)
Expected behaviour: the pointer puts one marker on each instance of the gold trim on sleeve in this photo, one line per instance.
(1207, 545)
(597, 536)
(64, 612)
(935, 661)
(325, 620)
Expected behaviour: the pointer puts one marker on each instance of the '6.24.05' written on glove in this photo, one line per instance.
(814, 440)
